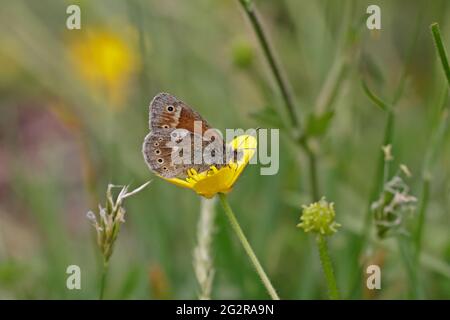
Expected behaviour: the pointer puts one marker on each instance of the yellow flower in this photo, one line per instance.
(209, 183)
(105, 61)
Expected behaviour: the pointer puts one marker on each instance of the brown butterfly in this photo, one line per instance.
(170, 149)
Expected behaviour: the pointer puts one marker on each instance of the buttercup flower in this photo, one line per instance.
(105, 61)
(209, 183)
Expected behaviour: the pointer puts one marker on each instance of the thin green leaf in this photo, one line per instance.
(376, 100)
(441, 49)
(318, 124)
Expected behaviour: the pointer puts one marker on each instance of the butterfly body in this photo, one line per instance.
(180, 140)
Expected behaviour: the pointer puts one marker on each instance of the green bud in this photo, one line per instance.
(243, 54)
(319, 217)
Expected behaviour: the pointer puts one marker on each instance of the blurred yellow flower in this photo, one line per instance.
(105, 61)
(209, 183)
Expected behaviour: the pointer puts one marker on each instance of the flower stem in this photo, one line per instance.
(248, 249)
(314, 181)
(441, 50)
(405, 248)
(203, 260)
(327, 267)
(103, 279)
(271, 59)
(285, 89)
(421, 217)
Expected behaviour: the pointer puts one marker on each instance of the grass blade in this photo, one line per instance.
(441, 50)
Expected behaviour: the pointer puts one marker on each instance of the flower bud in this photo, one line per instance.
(319, 217)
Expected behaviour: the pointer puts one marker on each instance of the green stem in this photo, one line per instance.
(421, 218)
(436, 141)
(327, 267)
(313, 176)
(406, 253)
(433, 147)
(441, 50)
(103, 279)
(203, 258)
(430, 156)
(248, 249)
(273, 63)
(285, 90)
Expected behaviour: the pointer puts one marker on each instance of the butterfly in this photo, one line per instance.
(181, 140)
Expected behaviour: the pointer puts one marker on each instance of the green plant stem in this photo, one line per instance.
(103, 279)
(203, 258)
(405, 249)
(273, 63)
(313, 176)
(433, 147)
(286, 93)
(436, 140)
(248, 249)
(380, 175)
(441, 50)
(421, 218)
(327, 267)
(418, 234)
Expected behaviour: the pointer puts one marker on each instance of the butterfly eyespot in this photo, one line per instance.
(156, 144)
(160, 160)
(160, 139)
(165, 169)
(213, 153)
(170, 108)
(165, 126)
(213, 138)
(157, 151)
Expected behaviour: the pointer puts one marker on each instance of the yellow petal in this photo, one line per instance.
(223, 179)
(220, 181)
(179, 182)
(248, 145)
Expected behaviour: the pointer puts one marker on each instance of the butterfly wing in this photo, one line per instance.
(166, 111)
(164, 154)
(158, 154)
(167, 116)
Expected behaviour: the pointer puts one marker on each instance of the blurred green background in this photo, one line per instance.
(74, 112)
